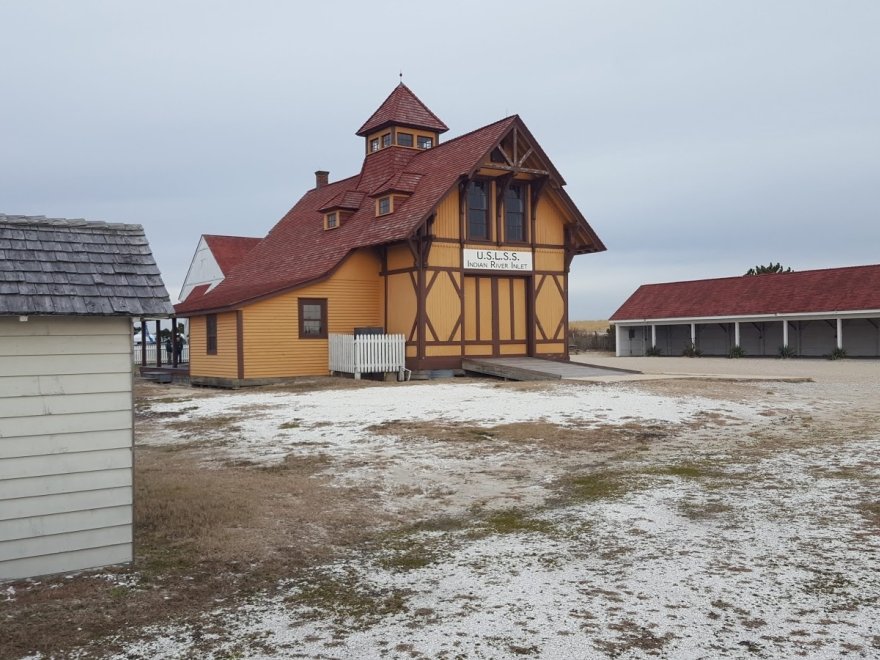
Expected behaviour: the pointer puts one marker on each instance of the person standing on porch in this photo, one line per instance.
(168, 349)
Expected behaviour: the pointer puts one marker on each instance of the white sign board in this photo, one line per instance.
(508, 260)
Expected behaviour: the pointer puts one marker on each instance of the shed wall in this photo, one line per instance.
(65, 444)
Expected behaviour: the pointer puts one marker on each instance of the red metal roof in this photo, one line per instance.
(851, 288)
(403, 108)
(229, 250)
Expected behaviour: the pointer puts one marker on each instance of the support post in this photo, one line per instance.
(174, 340)
(618, 336)
(653, 335)
(840, 334)
(694, 335)
(143, 342)
(158, 343)
(736, 333)
(785, 332)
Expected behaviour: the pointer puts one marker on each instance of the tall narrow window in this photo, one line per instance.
(514, 213)
(332, 221)
(312, 318)
(386, 140)
(374, 144)
(478, 210)
(384, 207)
(211, 334)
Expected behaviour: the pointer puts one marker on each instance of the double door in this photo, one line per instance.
(495, 315)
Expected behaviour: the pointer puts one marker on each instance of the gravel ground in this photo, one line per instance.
(680, 518)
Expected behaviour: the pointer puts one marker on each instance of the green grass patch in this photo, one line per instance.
(408, 554)
(516, 521)
(347, 599)
(600, 486)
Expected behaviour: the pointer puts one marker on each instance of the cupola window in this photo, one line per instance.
(424, 142)
(405, 139)
(386, 140)
(374, 144)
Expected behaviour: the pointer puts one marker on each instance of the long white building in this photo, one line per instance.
(812, 313)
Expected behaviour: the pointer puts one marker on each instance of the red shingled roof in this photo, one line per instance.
(229, 250)
(298, 250)
(852, 288)
(403, 108)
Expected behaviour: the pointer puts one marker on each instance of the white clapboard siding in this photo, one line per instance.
(60, 443)
(63, 404)
(65, 444)
(50, 424)
(20, 386)
(30, 365)
(63, 326)
(86, 461)
(62, 523)
(66, 542)
(44, 505)
(65, 562)
(29, 345)
(71, 482)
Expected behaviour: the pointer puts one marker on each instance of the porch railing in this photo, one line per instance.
(364, 354)
(151, 355)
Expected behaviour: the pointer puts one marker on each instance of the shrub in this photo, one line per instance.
(653, 351)
(690, 350)
(786, 352)
(837, 354)
(736, 351)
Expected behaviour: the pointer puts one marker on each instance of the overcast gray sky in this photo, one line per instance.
(698, 137)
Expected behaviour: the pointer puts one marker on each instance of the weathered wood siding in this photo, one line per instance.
(272, 347)
(65, 444)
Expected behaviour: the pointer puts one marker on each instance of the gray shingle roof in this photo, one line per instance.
(73, 267)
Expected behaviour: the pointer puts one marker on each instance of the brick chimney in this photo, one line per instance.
(322, 178)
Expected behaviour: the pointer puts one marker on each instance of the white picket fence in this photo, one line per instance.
(367, 354)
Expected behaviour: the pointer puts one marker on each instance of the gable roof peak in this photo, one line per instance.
(404, 108)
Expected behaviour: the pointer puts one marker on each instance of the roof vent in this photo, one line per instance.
(322, 178)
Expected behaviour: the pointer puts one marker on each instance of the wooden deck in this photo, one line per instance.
(526, 368)
(166, 374)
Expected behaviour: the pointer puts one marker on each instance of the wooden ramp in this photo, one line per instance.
(526, 368)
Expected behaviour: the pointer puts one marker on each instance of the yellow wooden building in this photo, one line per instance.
(463, 246)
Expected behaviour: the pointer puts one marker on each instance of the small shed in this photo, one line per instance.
(810, 313)
(68, 290)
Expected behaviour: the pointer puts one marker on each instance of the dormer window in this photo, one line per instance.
(374, 145)
(425, 142)
(331, 220)
(386, 140)
(404, 139)
(383, 206)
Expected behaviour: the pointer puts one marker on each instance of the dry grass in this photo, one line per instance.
(590, 326)
(202, 535)
(545, 435)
